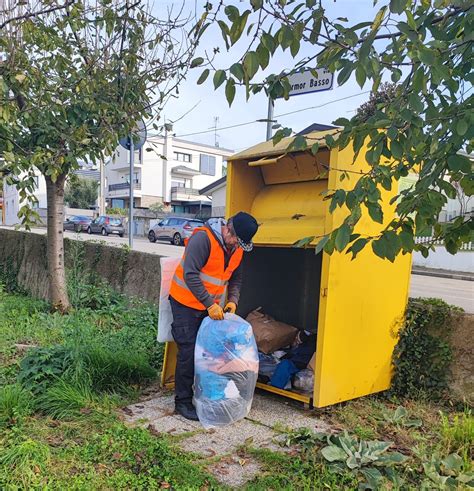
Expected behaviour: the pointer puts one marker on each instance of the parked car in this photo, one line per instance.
(77, 223)
(174, 229)
(106, 225)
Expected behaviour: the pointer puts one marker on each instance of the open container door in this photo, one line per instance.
(362, 303)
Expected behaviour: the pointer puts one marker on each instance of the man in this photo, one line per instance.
(206, 282)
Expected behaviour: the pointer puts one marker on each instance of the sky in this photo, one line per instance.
(210, 103)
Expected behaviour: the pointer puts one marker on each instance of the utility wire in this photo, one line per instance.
(278, 116)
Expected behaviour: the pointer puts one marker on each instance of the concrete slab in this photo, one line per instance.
(269, 411)
(173, 425)
(224, 441)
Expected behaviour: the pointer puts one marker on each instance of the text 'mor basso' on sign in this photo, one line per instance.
(316, 80)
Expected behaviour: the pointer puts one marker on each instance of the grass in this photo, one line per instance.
(86, 364)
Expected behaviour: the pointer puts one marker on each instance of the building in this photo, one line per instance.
(12, 202)
(216, 191)
(167, 170)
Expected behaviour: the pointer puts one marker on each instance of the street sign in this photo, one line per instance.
(307, 81)
(139, 137)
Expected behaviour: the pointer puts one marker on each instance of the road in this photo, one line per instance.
(456, 292)
(141, 244)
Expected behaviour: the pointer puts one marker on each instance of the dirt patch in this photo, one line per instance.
(462, 366)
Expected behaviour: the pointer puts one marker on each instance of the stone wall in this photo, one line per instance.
(130, 272)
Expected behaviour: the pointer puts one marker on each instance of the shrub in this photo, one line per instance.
(422, 356)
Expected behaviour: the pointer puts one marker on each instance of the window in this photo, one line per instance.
(182, 157)
(172, 222)
(178, 184)
(135, 178)
(207, 164)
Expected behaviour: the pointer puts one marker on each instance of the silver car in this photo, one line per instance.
(174, 229)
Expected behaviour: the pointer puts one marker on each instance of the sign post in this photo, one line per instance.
(304, 82)
(134, 141)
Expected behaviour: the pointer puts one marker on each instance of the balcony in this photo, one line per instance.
(185, 194)
(122, 189)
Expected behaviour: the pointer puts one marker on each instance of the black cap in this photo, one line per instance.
(245, 227)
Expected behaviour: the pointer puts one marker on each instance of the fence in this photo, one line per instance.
(467, 246)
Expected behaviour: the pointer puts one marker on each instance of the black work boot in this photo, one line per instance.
(186, 409)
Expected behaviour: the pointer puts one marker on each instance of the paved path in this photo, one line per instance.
(218, 449)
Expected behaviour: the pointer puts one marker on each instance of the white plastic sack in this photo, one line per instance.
(226, 370)
(165, 315)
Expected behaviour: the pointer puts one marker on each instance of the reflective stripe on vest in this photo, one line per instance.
(213, 275)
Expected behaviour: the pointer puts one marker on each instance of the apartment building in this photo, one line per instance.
(167, 170)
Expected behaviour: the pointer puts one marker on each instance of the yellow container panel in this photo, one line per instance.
(362, 305)
(303, 168)
(289, 212)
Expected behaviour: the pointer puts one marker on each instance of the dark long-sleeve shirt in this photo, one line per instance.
(197, 255)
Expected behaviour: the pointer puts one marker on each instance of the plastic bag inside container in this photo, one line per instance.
(226, 370)
(304, 380)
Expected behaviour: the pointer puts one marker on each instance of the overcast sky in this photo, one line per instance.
(211, 103)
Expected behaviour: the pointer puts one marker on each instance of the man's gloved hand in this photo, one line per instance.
(231, 307)
(215, 312)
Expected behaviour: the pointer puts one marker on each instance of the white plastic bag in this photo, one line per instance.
(165, 315)
(226, 370)
(304, 380)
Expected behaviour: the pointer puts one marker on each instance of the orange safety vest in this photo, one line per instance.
(214, 276)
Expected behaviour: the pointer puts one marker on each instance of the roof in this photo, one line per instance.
(267, 148)
(214, 185)
(316, 127)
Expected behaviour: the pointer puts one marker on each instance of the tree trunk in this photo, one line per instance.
(55, 249)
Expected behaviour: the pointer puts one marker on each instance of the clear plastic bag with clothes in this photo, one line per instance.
(226, 370)
(304, 380)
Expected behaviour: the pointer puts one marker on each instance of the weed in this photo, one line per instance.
(15, 404)
(457, 434)
(21, 461)
(65, 400)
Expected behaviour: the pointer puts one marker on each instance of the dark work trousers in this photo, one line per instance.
(185, 326)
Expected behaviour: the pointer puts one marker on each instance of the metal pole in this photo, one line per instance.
(102, 189)
(130, 206)
(271, 106)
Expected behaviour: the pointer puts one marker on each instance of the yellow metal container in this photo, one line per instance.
(356, 307)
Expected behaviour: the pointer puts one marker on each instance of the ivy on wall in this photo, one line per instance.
(423, 355)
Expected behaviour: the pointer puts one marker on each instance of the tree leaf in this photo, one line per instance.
(197, 61)
(356, 247)
(320, 245)
(230, 91)
(360, 75)
(458, 163)
(397, 6)
(202, 78)
(462, 127)
(378, 246)
(237, 71)
(219, 78)
(342, 237)
(251, 64)
(305, 242)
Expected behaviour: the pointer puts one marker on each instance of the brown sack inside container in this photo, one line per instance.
(270, 335)
(312, 362)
